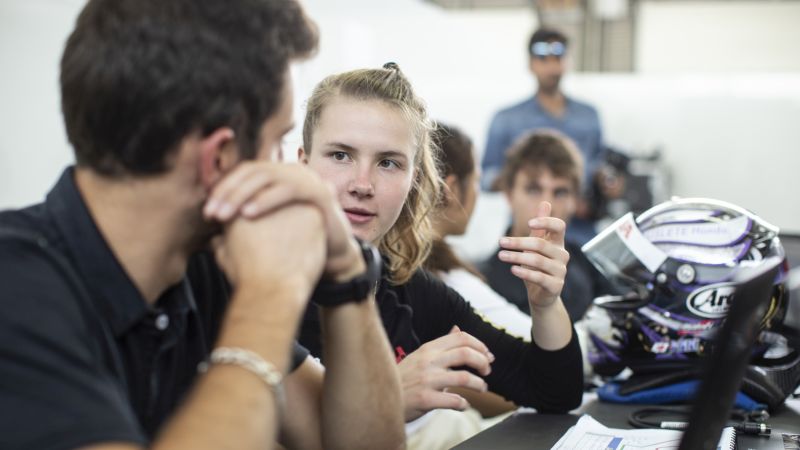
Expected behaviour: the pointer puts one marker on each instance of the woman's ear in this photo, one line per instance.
(218, 155)
(452, 189)
(301, 155)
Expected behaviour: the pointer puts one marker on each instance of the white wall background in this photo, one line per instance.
(741, 36)
(717, 87)
(33, 146)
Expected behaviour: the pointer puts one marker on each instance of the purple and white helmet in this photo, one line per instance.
(677, 261)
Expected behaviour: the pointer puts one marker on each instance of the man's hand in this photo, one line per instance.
(426, 373)
(540, 259)
(284, 248)
(257, 188)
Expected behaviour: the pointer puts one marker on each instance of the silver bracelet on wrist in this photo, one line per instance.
(248, 360)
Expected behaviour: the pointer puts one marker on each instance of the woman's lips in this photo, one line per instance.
(358, 216)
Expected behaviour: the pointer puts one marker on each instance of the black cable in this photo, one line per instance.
(676, 418)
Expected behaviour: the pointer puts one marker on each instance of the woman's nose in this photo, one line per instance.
(361, 183)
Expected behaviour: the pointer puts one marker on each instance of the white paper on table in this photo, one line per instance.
(589, 434)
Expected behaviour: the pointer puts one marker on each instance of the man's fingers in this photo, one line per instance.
(236, 192)
(465, 356)
(217, 205)
(268, 200)
(234, 199)
(223, 187)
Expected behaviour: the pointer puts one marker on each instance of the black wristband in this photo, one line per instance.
(329, 293)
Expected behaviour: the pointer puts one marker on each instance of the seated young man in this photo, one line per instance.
(111, 298)
(544, 166)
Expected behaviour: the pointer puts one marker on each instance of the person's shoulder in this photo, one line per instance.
(515, 108)
(40, 287)
(471, 287)
(582, 106)
(28, 257)
(51, 332)
(424, 279)
(31, 220)
(458, 276)
(27, 241)
(433, 297)
(426, 287)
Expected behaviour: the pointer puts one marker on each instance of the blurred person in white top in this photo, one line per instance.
(461, 177)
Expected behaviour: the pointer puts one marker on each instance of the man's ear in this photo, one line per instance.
(302, 156)
(218, 155)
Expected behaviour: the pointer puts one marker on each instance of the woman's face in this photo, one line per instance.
(365, 149)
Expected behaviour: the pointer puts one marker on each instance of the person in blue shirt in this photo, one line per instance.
(549, 108)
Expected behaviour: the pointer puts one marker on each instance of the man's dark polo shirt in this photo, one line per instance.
(77, 369)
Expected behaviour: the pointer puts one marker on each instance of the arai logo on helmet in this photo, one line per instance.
(712, 301)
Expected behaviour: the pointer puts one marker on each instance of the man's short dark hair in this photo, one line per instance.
(542, 149)
(546, 35)
(137, 76)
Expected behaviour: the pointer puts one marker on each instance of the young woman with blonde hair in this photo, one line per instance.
(368, 135)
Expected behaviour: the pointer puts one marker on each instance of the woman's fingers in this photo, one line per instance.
(457, 338)
(543, 210)
(464, 356)
(428, 400)
(549, 283)
(458, 378)
(536, 261)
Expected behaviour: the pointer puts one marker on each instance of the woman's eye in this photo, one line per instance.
(339, 156)
(389, 164)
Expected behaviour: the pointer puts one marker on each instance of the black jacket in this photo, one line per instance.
(425, 308)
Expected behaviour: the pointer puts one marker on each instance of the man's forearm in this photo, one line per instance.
(362, 402)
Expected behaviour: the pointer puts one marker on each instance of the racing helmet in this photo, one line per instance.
(676, 261)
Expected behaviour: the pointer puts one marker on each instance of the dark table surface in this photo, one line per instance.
(529, 430)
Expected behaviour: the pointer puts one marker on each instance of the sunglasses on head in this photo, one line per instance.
(545, 49)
